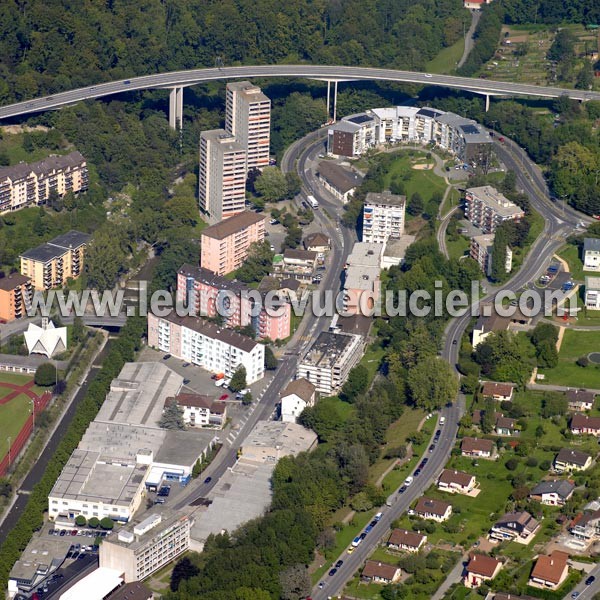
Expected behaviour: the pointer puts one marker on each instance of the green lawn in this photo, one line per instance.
(15, 378)
(452, 200)
(424, 182)
(447, 60)
(13, 415)
(372, 360)
(575, 344)
(458, 247)
(570, 253)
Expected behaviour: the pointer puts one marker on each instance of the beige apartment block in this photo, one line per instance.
(248, 118)
(52, 264)
(31, 184)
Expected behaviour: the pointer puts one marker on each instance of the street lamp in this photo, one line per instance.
(32, 400)
(9, 451)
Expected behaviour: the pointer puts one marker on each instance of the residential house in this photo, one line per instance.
(317, 242)
(298, 394)
(490, 321)
(584, 425)
(505, 426)
(477, 448)
(572, 460)
(437, 510)
(401, 539)
(479, 569)
(515, 526)
(456, 482)
(200, 410)
(592, 293)
(591, 254)
(501, 392)
(378, 572)
(586, 526)
(580, 400)
(297, 263)
(553, 492)
(338, 180)
(550, 572)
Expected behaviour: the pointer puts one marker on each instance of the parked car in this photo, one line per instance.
(166, 357)
(208, 480)
(338, 564)
(408, 481)
(332, 572)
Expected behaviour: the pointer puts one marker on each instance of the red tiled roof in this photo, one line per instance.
(431, 506)
(550, 568)
(492, 388)
(378, 569)
(476, 445)
(581, 421)
(483, 565)
(402, 537)
(450, 476)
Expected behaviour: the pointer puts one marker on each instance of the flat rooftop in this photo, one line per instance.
(250, 91)
(494, 199)
(361, 278)
(327, 349)
(396, 247)
(184, 447)
(227, 142)
(592, 283)
(289, 438)
(232, 225)
(365, 254)
(41, 553)
(385, 199)
(86, 479)
(138, 395)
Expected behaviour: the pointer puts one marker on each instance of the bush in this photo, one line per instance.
(512, 464)
(532, 461)
(80, 521)
(582, 361)
(45, 375)
(107, 523)
(545, 465)
(94, 522)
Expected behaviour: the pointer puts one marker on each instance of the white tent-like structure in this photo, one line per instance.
(47, 339)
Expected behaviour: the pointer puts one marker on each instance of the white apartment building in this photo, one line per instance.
(222, 175)
(592, 293)
(486, 208)
(481, 250)
(383, 217)
(329, 360)
(248, 118)
(143, 548)
(207, 345)
(591, 254)
(31, 184)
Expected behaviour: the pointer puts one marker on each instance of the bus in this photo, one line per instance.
(312, 201)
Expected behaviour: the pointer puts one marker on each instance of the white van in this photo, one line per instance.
(312, 201)
(442, 420)
(408, 481)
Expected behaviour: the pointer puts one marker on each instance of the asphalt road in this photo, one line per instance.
(586, 592)
(333, 72)
(38, 469)
(470, 37)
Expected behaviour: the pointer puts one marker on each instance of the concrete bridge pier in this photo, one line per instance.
(176, 108)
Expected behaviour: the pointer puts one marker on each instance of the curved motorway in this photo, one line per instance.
(325, 72)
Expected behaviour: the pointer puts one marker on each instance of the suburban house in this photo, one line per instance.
(477, 448)
(200, 410)
(516, 526)
(298, 394)
(554, 492)
(379, 572)
(592, 293)
(550, 571)
(571, 460)
(438, 510)
(501, 392)
(317, 242)
(401, 539)
(505, 426)
(584, 425)
(580, 400)
(479, 569)
(456, 482)
(495, 322)
(586, 526)
(591, 254)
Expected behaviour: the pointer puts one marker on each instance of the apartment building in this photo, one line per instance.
(354, 135)
(54, 263)
(210, 346)
(383, 217)
(224, 246)
(480, 250)
(142, 548)
(15, 297)
(211, 295)
(591, 254)
(32, 184)
(222, 175)
(592, 293)
(329, 360)
(248, 118)
(486, 208)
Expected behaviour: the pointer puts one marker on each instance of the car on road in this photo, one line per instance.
(417, 472)
(224, 397)
(575, 595)
(164, 491)
(432, 448)
(442, 420)
(438, 433)
(208, 480)
(378, 516)
(350, 550)
(166, 357)
(373, 523)
(126, 82)
(338, 564)
(428, 75)
(590, 580)
(186, 381)
(402, 489)
(321, 585)
(408, 481)
(332, 572)
(273, 222)
(159, 501)
(356, 541)
(186, 364)
(62, 533)
(362, 536)
(368, 528)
